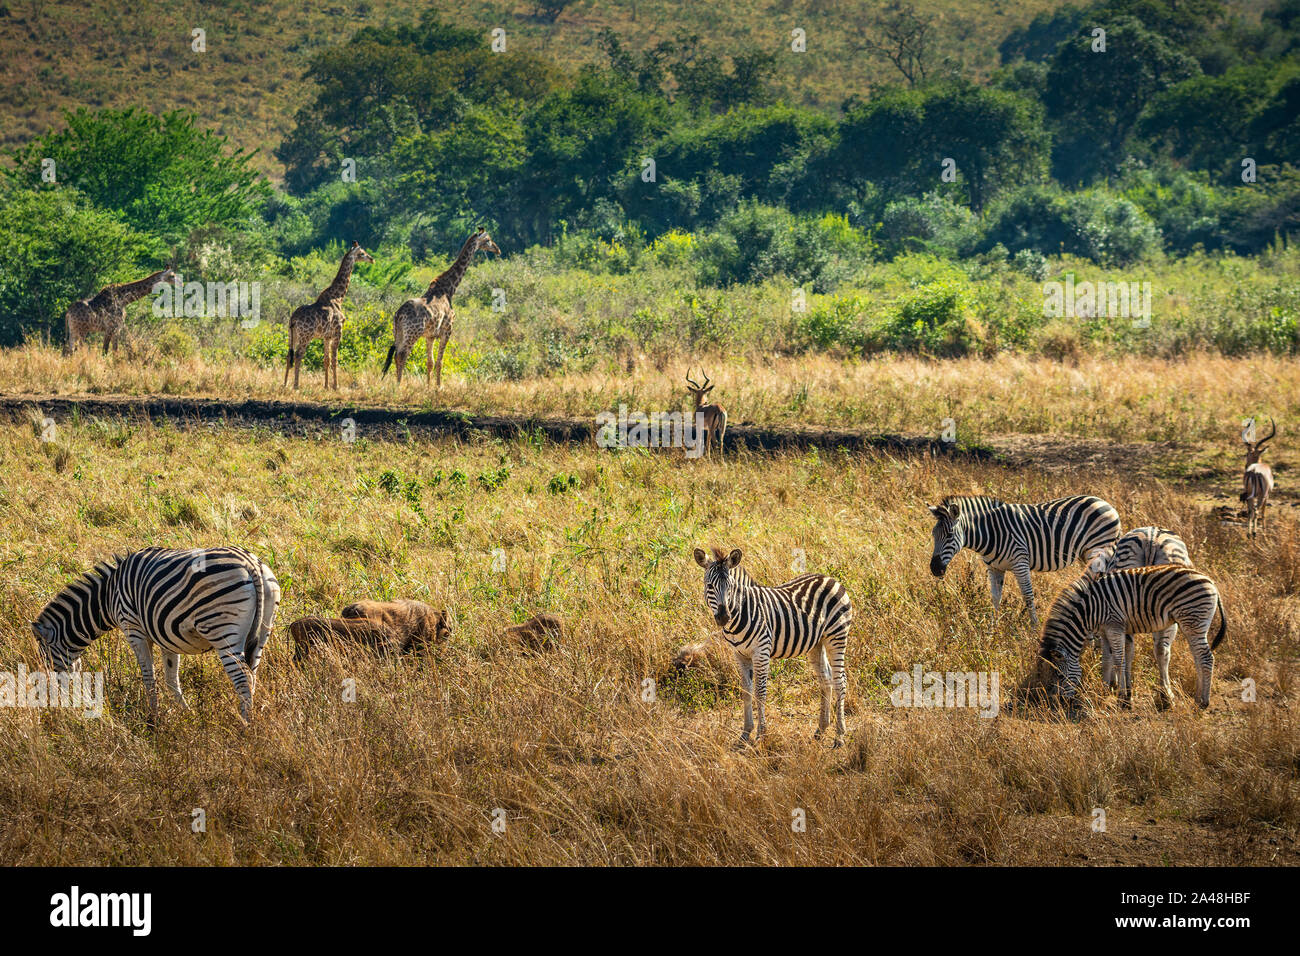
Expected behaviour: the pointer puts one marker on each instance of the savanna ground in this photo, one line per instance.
(585, 770)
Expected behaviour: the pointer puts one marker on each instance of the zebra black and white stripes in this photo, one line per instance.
(1133, 601)
(810, 614)
(1139, 548)
(1020, 538)
(186, 601)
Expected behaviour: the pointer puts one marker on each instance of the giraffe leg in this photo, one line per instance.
(442, 347)
(297, 360)
(288, 359)
(108, 340)
(400, 359)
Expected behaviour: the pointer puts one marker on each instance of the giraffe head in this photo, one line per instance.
(356, 253)
(482, 241)
(1255, 449)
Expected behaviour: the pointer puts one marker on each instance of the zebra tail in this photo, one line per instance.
(1223, 626)
(259, 587)
(389, 361)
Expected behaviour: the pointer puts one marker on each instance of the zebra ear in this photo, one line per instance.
(937, 511)
(733, 559)
(700, 558)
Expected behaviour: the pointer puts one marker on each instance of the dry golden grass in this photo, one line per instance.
(1201, 399)
(584, 769)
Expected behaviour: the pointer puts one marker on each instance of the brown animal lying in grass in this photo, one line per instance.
(393, 627)
(415, 620)
(541, 632)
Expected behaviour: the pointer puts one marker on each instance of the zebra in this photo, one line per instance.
(1133, 601)
(1256, 481)
(809, 615)
(1020, 538)
(1139, 548)
(187, 601)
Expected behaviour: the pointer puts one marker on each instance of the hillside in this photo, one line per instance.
(248, 85)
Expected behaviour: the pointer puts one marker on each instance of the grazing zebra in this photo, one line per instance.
(1257, 482)
(186, 601)
(1133, 601)
(808, 615)
(1020, 538)
(1139, 548)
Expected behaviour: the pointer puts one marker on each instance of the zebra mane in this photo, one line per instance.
(1066, 599)
(960, 499)
(719, 554)
(101, 572)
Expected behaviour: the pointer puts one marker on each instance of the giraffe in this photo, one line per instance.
(106, 312)
(323, 319)
(429, 316)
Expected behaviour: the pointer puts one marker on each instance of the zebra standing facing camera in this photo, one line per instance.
(1020, 538)
(809, 615)
(186, 601)
(1133, 601)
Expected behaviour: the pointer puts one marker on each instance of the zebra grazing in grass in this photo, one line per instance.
(186, 601)
(808, 615)
(1257, 482)
(1139, 548)
(1020, 538)
(1133, 601)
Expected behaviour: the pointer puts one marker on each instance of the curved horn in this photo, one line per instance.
(689, 379)
(1260, 444)
(706, 377)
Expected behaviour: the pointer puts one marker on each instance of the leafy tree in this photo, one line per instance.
(59, 248)
(1038, 39)
(1095, 98)
(750, 152)
(899, 140)
(162, 175)
(386, 84)
(1206, 121)
(465, 175)
(583, 144)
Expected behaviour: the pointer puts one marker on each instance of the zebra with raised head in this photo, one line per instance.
(186, 601)
(1020, 538)
(1139, 548)
(809, 615)
(1132, 601)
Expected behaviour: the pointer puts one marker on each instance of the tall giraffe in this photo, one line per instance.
(429, 316)
(106, 312)
(323, 319)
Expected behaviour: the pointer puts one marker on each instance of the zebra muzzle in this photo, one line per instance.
(937, 567)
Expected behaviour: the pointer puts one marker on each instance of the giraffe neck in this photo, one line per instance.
(129, 292)
(445, 285)
(339, 287)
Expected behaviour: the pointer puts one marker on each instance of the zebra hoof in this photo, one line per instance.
(839, 742)
(1163, 702)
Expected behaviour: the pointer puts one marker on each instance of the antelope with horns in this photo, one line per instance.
(715, 416)
(1257, 481)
